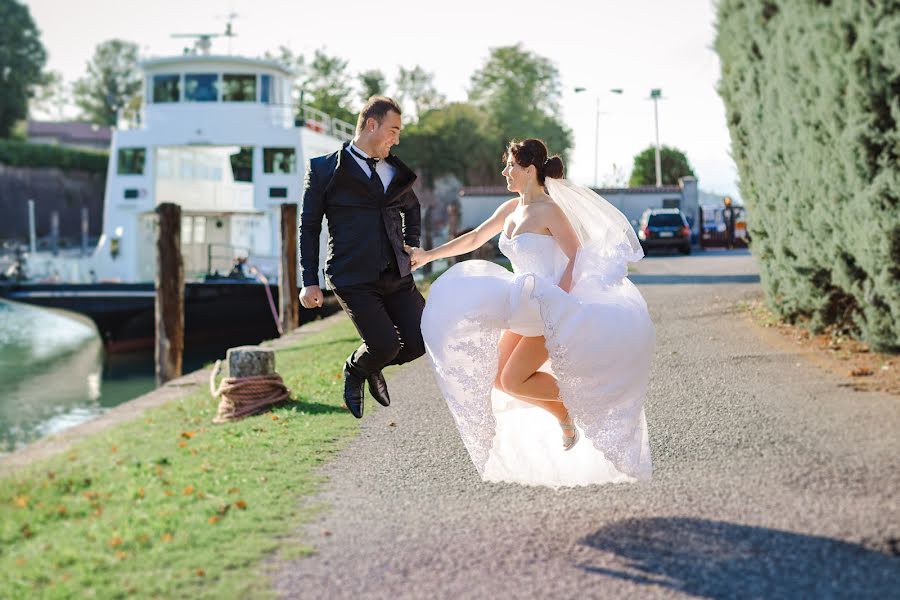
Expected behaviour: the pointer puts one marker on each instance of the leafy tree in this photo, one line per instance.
(673, 164)
(51, 94)
(22, 59)
(112, 80)
(520, 92)
(372, 83)
(811, 98)
(326, 86)
(453, 140)
(416, 93)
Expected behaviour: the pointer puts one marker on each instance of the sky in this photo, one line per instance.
(636, 45)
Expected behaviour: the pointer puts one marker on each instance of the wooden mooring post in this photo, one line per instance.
(289, 295)
(169, 306)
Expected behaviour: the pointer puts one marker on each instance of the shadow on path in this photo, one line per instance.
(716, 559)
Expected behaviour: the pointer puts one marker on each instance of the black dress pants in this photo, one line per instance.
(387, 314)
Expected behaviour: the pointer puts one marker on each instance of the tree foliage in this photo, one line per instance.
(112, 81)
(453, 140)
(520, 92)
(673, 166)
(811, 96)
(22, 59)
(371, 83)
(416, 93)
(327, 87)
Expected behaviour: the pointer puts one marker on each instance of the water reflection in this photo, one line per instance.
(55, 373)
(52, 374)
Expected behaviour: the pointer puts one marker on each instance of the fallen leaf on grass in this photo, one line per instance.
(234, 490)
(21, 562)
(200, 572)
(114, 449)
(182, 444)
(188, 434)
(188, 490)
(61, 509)
(21, 501)
(26, 531)
(166, 537)
(121, 555)
(114, 541)
(241, 504)
(214, 519)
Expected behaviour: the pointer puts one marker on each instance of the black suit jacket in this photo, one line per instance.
(337, 187)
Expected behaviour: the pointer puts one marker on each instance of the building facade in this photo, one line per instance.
(479, 203)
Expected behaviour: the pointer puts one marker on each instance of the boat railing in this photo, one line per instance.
(309, 117)
(320, 121)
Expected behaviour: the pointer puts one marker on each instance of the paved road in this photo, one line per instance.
(771, 480)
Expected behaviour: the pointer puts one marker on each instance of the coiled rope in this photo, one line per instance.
(244, 396)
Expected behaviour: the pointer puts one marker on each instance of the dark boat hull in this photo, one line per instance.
(238, 312)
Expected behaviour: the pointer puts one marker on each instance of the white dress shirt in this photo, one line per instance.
(385, 171)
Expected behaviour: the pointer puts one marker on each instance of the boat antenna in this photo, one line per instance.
(229, 29)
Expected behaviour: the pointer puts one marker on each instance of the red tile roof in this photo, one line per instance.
(70, 131)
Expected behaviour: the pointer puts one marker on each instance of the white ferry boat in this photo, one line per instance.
(219, 136)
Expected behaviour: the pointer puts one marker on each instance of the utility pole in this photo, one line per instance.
(597, 131)
(655, 95)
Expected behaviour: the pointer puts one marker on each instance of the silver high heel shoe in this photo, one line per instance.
(569, 441)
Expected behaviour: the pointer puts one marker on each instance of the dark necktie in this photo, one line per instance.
(372, 163)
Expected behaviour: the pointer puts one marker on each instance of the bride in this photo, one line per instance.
(563, 343)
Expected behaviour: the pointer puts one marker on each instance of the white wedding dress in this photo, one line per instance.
(600, 341)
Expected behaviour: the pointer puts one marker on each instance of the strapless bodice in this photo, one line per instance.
(535, 253)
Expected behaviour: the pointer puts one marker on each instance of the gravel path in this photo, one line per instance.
(771, 480)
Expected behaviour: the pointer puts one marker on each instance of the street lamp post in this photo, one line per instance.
(597, 130)
(655, 95)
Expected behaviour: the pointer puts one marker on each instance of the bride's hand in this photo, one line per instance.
(417, 256)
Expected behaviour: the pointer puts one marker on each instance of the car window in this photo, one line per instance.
(666, 220)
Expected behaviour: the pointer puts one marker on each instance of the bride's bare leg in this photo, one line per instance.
(508, 343)
(520, 377)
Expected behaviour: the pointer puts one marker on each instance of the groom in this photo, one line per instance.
(366, 195)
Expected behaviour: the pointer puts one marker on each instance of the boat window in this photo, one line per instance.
(277, 91)
(131, 161)
(242, 164)
(279, 160)
(166, 88)
(186, 226)
(199, 230)
(265, 89)
(239, 88)
(201, 87)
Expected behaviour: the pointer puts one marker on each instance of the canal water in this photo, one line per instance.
(54, 372)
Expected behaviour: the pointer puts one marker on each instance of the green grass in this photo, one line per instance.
(170, 505)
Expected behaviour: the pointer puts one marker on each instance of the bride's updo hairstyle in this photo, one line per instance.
(534, 152)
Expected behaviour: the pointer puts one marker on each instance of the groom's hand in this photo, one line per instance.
(311, 296)
(415, 256)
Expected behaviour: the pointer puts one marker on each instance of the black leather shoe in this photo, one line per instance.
(353, 392)
(378, 388)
